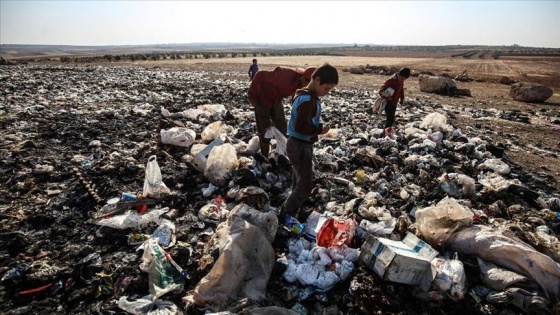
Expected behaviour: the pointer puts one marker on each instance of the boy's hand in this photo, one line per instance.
(325, 129)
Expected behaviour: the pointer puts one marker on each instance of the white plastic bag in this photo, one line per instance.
(326, 281)
(344, 269)
(212, 131)
(131, 220)
(221, 162)
(201, 157)
(146, 306)
(307, 273)
(496, 165)
(273, 132)
(381, 228)
(290, 273)
(379, 106)
(434, 121)
(388, 92)
(340, 253)
(333, 133)
(450, 277)
(153, 183)
(434, 136)
(250, 148)
(213, 109)
(178, 136)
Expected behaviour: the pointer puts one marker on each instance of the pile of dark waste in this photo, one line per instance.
(141, 190)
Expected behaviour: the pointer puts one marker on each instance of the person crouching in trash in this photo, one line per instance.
(304, 127)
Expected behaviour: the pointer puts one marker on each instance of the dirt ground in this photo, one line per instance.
(533, 146)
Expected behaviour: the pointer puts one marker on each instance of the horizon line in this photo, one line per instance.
(279, 44)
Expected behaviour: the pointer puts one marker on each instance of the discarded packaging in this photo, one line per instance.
(406, 261)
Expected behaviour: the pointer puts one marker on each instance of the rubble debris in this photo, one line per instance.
(80, 210)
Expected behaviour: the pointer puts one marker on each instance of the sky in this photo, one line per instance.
(432, 23)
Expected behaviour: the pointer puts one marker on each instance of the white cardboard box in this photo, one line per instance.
(406, 261)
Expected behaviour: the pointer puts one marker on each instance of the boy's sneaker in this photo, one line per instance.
(389, 133)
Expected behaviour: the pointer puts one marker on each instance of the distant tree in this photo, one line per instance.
(233, 55)
(118, 57)
(244, 54)
(255, 54)
(64, 59)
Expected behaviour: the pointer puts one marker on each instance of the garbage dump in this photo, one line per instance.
(140, 190)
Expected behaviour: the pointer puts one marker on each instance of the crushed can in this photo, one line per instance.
(171, 214)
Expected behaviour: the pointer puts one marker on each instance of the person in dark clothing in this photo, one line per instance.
(304, 127)
(253, 69)
(266, 92)
(393, 91)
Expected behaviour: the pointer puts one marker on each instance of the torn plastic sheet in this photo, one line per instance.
(163, 276)
(243, 267)
(509, 253)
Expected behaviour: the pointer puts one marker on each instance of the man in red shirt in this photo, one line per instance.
(266, 92)
(396, 83)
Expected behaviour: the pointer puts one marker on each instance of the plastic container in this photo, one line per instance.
(128, 196)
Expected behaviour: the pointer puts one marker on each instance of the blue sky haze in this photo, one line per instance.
(526, 23)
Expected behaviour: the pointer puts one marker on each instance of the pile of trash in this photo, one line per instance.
(141, 190)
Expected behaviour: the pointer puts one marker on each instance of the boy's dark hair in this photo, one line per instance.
(254, 60)
(404, 72)
(327, 73)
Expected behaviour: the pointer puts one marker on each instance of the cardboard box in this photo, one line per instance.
(406, 261)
